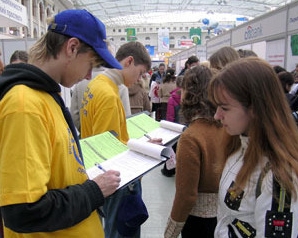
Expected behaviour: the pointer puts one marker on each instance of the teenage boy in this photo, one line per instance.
(45, 191)
(103, 111)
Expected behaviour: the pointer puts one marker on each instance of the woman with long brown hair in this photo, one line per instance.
(258, 187)
(200, 160)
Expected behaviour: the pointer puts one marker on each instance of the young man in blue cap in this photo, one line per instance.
(45, 191)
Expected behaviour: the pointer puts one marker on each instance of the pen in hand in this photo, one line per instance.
(100, 167)
(157, 141)
(149, 137)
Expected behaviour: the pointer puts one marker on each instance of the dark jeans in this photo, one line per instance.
(155, 106)
(157, 110)
(199, 227)
(163, 109)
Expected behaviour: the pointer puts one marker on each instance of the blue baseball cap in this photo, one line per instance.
(83, 25)
(132, 213)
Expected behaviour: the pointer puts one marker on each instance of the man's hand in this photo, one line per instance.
(108, 182)
(157, 141)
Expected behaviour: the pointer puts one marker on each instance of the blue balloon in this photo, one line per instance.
(205, 21)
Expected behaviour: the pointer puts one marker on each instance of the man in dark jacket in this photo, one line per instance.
(158, 76)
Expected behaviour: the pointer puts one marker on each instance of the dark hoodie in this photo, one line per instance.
(59, 208)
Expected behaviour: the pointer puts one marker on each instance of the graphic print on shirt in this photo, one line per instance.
(244, 228)
(278, 224)
(279, 220)
(72, 148)
(232, 200)
(86, 100)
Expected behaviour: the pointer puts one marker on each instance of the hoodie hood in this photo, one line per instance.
(29, 75)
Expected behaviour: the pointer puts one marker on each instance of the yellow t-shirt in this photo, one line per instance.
(102, 109)
(38, 153)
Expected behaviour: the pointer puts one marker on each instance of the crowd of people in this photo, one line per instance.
(236, 171)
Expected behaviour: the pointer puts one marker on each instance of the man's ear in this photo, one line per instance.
(72, 46)
(128, 61)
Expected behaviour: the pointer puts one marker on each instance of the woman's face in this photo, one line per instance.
(234, 117)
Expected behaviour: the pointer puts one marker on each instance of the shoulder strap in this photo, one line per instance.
(281, 200)
(261, 177)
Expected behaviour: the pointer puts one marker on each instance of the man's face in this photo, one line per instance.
(78, 69)
(161, 70)
(131, 72)
(134, 74)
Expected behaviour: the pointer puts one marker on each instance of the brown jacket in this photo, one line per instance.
(138, 97)
(200, 160)
(165, 90)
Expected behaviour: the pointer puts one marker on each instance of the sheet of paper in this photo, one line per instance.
(130, 164)
(140, 124)
(147, 148)
(100, 148)
(172, 126)
(132, 161)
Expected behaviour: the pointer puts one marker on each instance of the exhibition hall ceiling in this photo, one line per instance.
(117, 13)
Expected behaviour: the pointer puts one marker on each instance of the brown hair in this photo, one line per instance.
(137, 50)
(273, 132)
(170, 76)
(246, 53)
(195, 100)
(20, 55)
(222, 57)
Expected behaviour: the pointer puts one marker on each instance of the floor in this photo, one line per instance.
(158, 193)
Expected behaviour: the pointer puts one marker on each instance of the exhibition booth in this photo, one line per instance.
(273, 37)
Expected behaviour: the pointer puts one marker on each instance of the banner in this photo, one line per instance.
(184, 43)
(294, 44)
(163, 40)
(12, 14)
(150, 49)
(131, 34)
(195, 34)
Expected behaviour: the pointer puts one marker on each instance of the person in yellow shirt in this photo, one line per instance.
(45, 191)
(103, 111)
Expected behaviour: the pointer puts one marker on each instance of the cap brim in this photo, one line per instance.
(110, 60)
